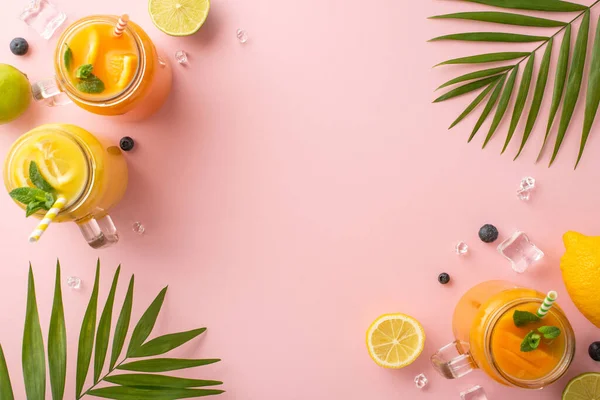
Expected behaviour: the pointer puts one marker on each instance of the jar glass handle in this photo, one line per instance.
(99, 233)
(48, 91)
(453, 360)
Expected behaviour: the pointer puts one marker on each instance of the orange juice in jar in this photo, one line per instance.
(106, 73)
(487, 337)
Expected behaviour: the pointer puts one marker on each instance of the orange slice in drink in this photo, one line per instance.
(121, 69)
(93, 46)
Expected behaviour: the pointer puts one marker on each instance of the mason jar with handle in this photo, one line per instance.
(490, 337)
(107, 74)
(90, 174)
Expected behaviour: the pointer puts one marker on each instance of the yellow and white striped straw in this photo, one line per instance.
(121, 25)
(48, 218)
(547, 304)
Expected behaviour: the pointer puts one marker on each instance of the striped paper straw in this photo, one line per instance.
(121, 25)
(48, 218)
(547, 304)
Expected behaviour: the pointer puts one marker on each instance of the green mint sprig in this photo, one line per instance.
(522, 318)
(88, 82)
(532, 340)
(68, 57)
(41, 197)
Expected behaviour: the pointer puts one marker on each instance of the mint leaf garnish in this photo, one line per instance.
(84, 71)
(549, 332)
(522, 318)
(68, 57)
(37, 179)
(28, 195)
(530, 342)
(92, 85)
(34, 207)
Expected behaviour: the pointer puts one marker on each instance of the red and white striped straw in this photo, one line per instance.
(121, 25)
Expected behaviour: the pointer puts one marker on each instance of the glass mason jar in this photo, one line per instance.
(488, 339)
(91, 175)
(145, 94)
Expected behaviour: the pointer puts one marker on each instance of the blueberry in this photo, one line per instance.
(594, 351)
(126, 143)
(444, 278)
(488, 233)
(19, 46)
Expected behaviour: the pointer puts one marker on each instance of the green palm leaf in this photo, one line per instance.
(163, 344)
(488, 107)
(503, 18)
(57, 342)
(34, 359)
(574, 82)
(521, 99)
(538, 96)
(469, 87)
(122, 325)
(86, 336)
(486, 58)
(473, 105)
(164, 364)
(534, 5)
(476, 75)
(104, 328)
(6, 392)
(593, 95)
(131, 393)
(146, 323)
(502, 105)
(146, 380)
(491, 37)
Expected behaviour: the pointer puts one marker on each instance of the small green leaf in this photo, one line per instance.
(559, 83)
(68, 57)
(473, 105)
(84, 71)
(28, 195)
(476, 75)
(491, 37)
(57, 342)
(122, 325)
(92, 85)
(540, 88)
(164, 364)
(86, 336)
(50, 200)
(33, 356)
(486, 58)
(103, 333)
(146, 323)
(521, 99)
(503, 18)
(469, 87)
(522, 318)
(593, 95)
(131, 393)
(502, 105)
(549, 332)
(534, 5)
(6, 392)
(34, 207)
(147, 380)
(37, 179)
(488, 107)
(530, 342)
(163, 344)
(573, 83)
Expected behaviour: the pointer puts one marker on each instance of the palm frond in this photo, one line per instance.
(498, 83)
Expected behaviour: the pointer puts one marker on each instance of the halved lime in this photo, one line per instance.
(179, 17)
(583, 387)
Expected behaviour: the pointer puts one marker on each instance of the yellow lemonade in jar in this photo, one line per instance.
(91, 175)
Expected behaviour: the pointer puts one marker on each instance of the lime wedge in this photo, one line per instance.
(179, 17)
(583, 387)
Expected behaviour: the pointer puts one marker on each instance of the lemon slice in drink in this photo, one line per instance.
(395, 340)
(52, 162)
(179, 17)
(121, 69)
(583, 387)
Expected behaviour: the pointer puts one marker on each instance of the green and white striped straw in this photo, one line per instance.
(547, 304)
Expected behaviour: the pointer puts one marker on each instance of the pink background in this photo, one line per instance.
(295, 188)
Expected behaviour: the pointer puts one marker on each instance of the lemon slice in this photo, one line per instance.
(179, 17)
(53, 165)
(583, 387)
(395, 340)
(93, 46)
(121, 68)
